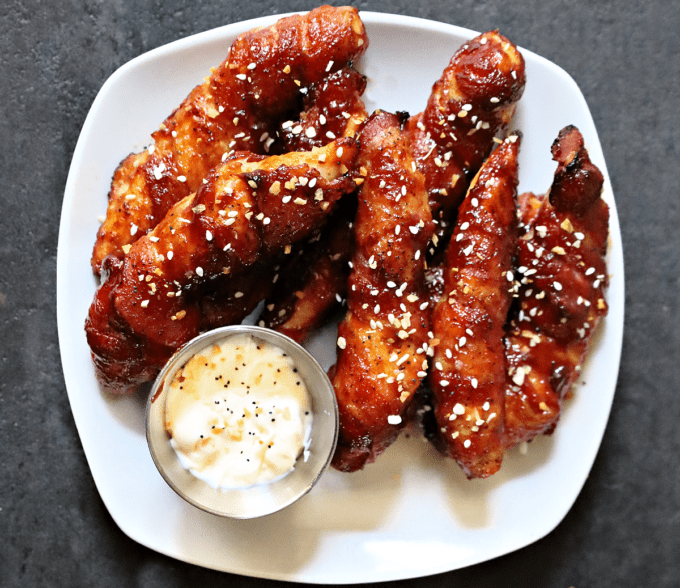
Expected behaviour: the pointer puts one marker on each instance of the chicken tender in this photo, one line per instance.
(472, 103)
(382, 339)
(468, 371)
(250, 209)
(560, 281)
(238, 108)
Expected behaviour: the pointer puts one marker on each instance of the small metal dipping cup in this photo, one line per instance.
(260, 499)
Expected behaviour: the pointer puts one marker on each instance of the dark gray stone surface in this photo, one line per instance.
(624, 529)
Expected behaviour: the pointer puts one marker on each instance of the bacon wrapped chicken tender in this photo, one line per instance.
(383, 337)
(250, 209)
(240, 107)
(468, 370)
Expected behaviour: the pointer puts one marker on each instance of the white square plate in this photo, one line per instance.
(411, 513)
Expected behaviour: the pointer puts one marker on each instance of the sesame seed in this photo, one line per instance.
(473, 381)
(467, 443)
(459, 409)
(342, 343)
(394, 419)
(518, 377)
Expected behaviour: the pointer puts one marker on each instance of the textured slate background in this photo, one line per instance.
(624, 529)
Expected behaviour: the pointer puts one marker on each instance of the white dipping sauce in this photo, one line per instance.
(238, 413)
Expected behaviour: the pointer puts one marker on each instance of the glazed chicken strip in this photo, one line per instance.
(383, 338)
(468, 371)
(238, 108)
(472, 103)
(560, 280)
(249, 209)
